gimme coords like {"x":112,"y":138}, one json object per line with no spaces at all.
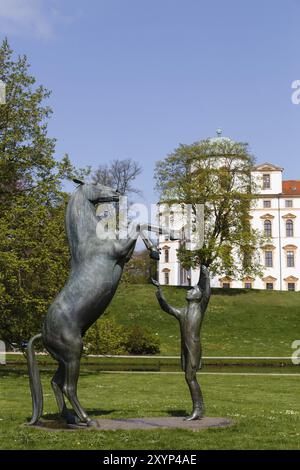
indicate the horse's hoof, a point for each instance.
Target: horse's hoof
{"x":154,"y":255}
{"x":92,"y":424}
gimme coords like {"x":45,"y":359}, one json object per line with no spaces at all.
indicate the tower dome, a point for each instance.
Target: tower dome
{"x":219,"y":138}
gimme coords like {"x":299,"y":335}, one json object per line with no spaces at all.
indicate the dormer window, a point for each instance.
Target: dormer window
{"x":266,"y":181}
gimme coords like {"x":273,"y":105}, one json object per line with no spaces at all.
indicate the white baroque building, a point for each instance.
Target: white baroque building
{"x":276,"y":213}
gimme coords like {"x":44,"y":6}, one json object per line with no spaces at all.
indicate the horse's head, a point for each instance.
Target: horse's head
{"x":97,"y":193}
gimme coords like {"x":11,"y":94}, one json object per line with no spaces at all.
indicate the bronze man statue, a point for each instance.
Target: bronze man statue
{"x":190,"y":319}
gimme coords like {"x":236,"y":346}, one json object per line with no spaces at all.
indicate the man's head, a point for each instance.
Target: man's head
{"x":194,"y":294}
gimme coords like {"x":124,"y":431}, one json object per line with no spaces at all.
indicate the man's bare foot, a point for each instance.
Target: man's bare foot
{"x":197,"y":414}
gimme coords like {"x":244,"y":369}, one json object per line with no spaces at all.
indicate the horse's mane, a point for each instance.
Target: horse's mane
{"x":80,"y":221}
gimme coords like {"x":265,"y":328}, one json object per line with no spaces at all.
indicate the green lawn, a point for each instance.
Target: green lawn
{"x":238,"y":322}
{"x":265,"y":410}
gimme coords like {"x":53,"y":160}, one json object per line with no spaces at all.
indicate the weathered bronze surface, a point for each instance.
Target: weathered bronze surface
{"x":190,"y":319}
{"x":96,"y":268}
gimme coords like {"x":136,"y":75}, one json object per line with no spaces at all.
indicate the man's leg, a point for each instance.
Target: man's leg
{"x":192,"y":360}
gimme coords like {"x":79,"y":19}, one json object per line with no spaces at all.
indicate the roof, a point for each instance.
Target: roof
{"x":291,"y":187}
{"x":267,"y":167}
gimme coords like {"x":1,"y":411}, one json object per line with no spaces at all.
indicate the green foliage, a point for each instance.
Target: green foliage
{"x":217,"y":174}
{"x":107,"y":336}
{"x":34,"y":255}
{"x":139,"y":269}
{"x":142,"y":341}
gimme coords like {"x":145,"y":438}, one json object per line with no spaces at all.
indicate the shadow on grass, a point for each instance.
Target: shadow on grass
{"x":90,"y":412}
{"x":56,"y":422}
{"x":177,"y":413}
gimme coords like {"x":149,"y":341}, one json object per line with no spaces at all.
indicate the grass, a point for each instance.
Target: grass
{"x":265,"y":408}
{"x":265,"y":411}
{"x":238,"y":322}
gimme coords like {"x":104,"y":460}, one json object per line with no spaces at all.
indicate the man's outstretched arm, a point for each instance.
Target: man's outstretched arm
{"x":204,"y":284}
{"x":163,"y":303}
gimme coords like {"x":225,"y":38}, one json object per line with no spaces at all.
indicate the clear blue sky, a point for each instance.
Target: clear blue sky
{"x":133,"y":78}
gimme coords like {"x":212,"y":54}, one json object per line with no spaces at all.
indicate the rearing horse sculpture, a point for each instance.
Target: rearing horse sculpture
{"x":96,"y":268}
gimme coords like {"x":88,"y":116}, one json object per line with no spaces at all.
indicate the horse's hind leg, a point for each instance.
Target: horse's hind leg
{"x":70,"y":390}
{"x":73,"y":352}
{"x":57,"y":383}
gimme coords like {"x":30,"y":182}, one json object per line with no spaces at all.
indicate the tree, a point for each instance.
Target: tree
{"x":139,"y":269}
{"x":120,"y":175}
{"x":34,"y":255}
{"x":216,"y":173}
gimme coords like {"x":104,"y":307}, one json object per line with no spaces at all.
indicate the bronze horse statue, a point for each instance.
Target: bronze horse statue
{"x":96,"y":268}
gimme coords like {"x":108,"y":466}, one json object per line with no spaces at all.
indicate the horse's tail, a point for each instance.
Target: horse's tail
{"x":35,"y":381}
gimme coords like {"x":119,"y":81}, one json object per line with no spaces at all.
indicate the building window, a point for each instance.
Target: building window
{"x":226,"y":285}
{"x":291,"y":286}
{"x":248,"y":285}
{"x":266,"y":181}
{"x":171,"y":218}
{"x":288,"y":203}
{"x":268,"y":228}
{"x":183,"y":276}
{"x":268,"y":259}
{"x":269,"y":286}
{"x":289,"y":225}
{"x":267,"y":204}
{"x":165,"y":223}
{"x":290,"y":259}
{"x":166,"y":255}
{"x":167,"y":279}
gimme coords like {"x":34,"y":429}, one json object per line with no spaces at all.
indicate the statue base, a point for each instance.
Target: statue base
{"x":140,"y":423}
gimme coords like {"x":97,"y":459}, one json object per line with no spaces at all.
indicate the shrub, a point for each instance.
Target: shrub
{"x":142,"y":341}
{"x":106,"y":336}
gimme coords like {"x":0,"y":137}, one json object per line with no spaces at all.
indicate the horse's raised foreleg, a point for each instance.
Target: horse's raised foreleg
{"x":154,"y":252}
{"x":154,"y":228}
{"x":144,"y":228}
{"x":173,"y":234}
